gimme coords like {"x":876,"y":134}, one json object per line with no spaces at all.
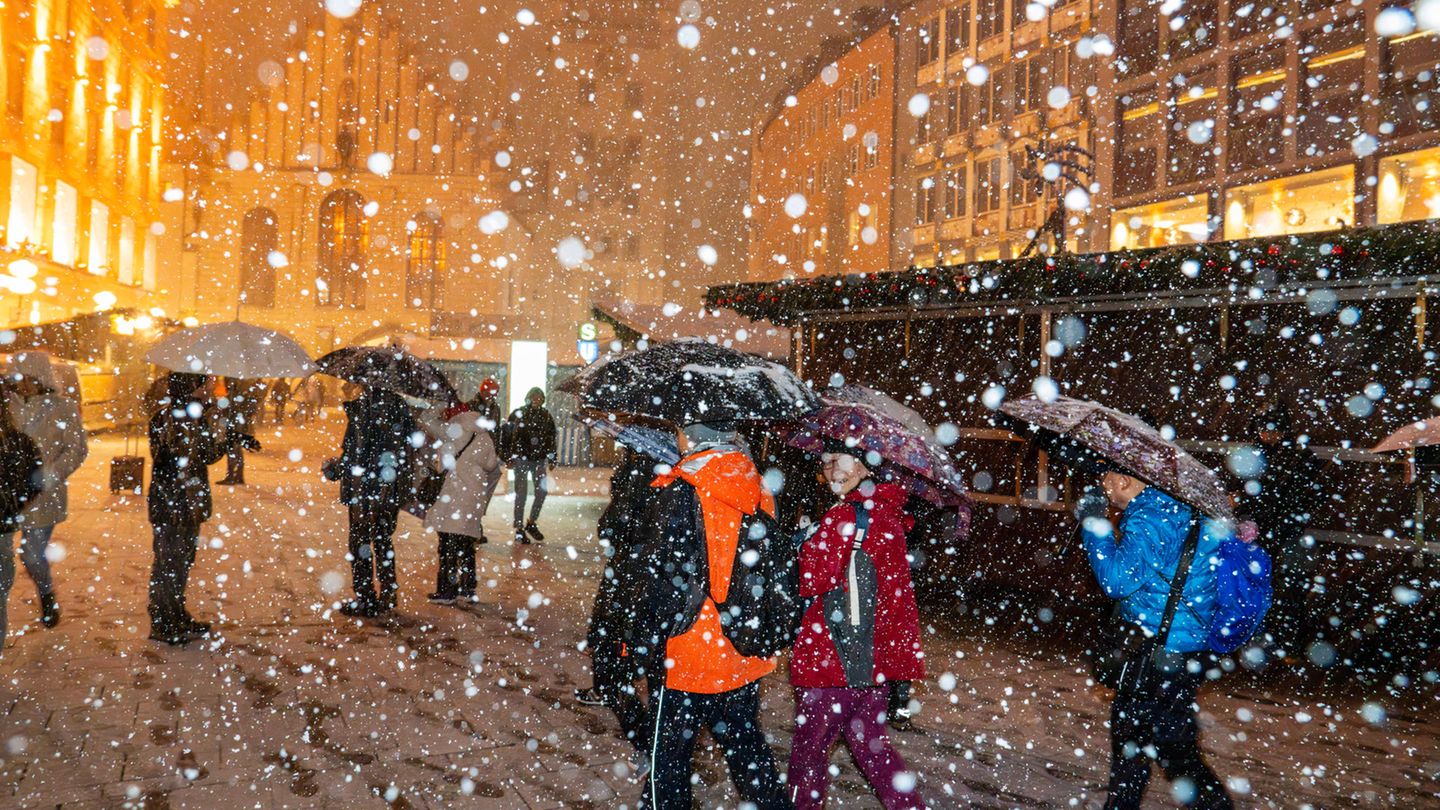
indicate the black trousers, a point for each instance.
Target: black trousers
{"x":235,"y":463}
{"x":174,"y":547}
{"x":455,"y":576}
{"x":676,"y":720}
{"x":372,"y":551}
{"x":1159,"y":711}
{"x":615,"y":681}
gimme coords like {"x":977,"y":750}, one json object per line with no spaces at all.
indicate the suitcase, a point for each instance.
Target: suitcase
{"x":127,"y":474}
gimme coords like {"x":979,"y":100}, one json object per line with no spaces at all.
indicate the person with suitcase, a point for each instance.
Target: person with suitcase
{"x":187,"y":435}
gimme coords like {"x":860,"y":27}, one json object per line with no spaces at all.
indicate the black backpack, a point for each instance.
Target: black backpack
{"x":21,"y":471}
{"x":761,"y":613}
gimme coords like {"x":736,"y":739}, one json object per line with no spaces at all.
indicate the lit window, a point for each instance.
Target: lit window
{"x":62,"y":232}
{"x":21,"y":226}
{"x":1173,"y":222}
{"x":1409,"y":187}
{"x":422,"y":262}
{"x":259,"y":239}
{"x":126,"y":273}
{"x":1318,"y":201}
{"x":99,"y":238}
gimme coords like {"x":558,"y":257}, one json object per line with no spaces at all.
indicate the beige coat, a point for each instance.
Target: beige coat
{"x":465,"y":451}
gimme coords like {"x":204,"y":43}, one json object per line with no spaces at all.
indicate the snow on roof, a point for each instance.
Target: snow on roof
{"x":673,"y":321}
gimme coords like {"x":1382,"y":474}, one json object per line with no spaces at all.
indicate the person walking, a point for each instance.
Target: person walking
{"x":465,"y":454}
{"x":21,"y":473}
{"x":187,"y":435}
{"x":52,"y":420}
{"x":860,"y":634}
{"x":531,"y":449}
{"x":486,"y":402}
{"x":280,"y":397}
{"x":1152,"y":716}
{"x":621,"y":525}
{"x":242,"y":409}
{"x":374,"y":471}
{"x":701,"y":681}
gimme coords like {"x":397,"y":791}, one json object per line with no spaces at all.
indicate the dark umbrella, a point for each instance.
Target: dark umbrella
{"x":391,"y":368}
{"x":658,"y":444}
{"x":869,"y":420}
{"x":1080,"y":430}
{"x":689,"y":380}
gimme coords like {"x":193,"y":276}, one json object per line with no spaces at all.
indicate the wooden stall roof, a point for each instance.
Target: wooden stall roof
{"x":1352,"y":255}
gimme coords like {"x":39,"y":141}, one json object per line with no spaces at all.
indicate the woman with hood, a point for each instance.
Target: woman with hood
{"x":861,"y":632}
{"x":465,"y":454}
{"x":374,"y":471}
{"x":52,"y":420}
{"x":187,"y":435}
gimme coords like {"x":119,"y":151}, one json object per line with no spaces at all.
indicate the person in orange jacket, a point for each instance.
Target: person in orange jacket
{"x":704,"y":682}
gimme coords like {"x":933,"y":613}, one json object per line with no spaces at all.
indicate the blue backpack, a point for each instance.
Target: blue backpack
{"x":1242,"y":594}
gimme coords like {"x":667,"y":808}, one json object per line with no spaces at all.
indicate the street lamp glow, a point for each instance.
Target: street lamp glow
{"x":105,"y":299}
{"x":24,"y":268}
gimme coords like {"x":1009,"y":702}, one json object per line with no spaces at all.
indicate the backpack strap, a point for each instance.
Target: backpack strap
{"x":1177,"y":580}
{"x":862,"y":525}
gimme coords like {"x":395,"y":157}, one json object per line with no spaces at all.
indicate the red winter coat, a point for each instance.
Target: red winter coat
{"x":824,"y":559}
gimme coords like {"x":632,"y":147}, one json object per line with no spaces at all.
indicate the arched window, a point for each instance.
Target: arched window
{"x":343,"y":241}
{"x":260,"y":236}
{"x":424,"y":260}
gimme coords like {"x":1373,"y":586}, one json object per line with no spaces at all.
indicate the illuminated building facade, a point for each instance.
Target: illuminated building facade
{"x":821,"y":167}
{"x":349,"y":201}
{"x":82,"y":141}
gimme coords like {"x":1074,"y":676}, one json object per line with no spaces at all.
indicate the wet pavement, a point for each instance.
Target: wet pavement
{"x":294,"y":705}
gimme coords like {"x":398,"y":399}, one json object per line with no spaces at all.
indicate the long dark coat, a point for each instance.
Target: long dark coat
{"x":622,"y":525}
{"x":182,"y":446}
{"x":377,"y":457}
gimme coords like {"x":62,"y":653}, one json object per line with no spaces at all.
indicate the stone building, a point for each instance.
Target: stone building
{"x":349,"y":200}
{"x":82,"y":140}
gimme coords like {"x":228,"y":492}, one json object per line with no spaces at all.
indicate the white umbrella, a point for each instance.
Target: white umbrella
{"x":232,"y":349}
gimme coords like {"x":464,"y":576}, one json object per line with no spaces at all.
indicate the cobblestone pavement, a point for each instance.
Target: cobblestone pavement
{"x":294,"y":705}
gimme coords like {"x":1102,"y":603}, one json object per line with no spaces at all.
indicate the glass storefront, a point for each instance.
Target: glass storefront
{"x":1181,"y":221}
{"x":1317,"y":201}
{"x":1409,"y":187}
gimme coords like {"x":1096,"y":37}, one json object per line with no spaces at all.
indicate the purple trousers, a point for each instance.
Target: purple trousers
{"x":821,"y":716}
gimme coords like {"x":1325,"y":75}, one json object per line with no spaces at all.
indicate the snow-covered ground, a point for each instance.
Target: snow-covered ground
{"x":294,"y":705}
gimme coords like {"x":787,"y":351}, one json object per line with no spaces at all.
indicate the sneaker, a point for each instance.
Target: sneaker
{"x":534,"y":531}
{"x":482,"y":541}
{"x":169,"y":635}
{"x":590,"y":697}
{"x":521,"y":537}
{"x":49,"y":610}
{"x":197,"y":629}
{"x":467,"y":599}
{"x":357,"y":608}
{"x":441,"y":598}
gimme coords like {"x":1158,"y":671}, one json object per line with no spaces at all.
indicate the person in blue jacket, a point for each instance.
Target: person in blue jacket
{"x":1154,"y":716}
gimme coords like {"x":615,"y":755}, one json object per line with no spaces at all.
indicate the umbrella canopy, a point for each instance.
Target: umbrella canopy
{"x":869,"y":420}
{"x":232,"y":349}
{"x":1127,"y":443}
{"x":644,"y":439}
{"x":391,"y":368}
{"x":1416,"y":434}
{"x":687,"y":381}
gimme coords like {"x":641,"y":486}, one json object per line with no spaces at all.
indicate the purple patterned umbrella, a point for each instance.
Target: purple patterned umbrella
{"x":1126,"y":442}
{"x":867,"y":419}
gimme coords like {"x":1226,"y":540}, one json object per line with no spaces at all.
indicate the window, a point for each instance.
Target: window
{"x":927,"y":42}
{"x":1257,"y":122}
{"x":148,"y":266}
{"x":989,"y":19}
{"x":954,"y":110}
{"x":1173,"y":222}
{"x":925,"y":201}
{"x":259,"y":237}
{"x":1139,"y":45}
{"x":1022,"y":191}
{"x":957,"y":28}
{"x":873,"y":90}
{"x":1192,"y":149}
{"x":422,"y":262}
{"x":872,"y":153}
{"x":62,"y":231}
{"x":925,"y":129}
{"x":1409,"y":187}
{"x":999,"y":85}
{"x":852,"y":160}
{"x":24,"y":181}
{"x":99,"y":237}
{"x":1029,"y":85}
{"x":855,"y":90}
{"x":955,"y":192}
{"x":344,"y":238}
{"x":1017,"y":13}
{"x":1191,"y":29}
{"x":976,"y":100}
{"x":126,"y":273}
{"x":1317,"y":201}
{"x":1138,"y":169}
{"x":1409,"y":83}
{"x":1332,"y":82}
{"x":987,"y":185}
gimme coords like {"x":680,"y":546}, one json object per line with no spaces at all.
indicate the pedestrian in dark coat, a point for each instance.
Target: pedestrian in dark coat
{"x":622,"y":525}
{"x":280,"y":396}
{"x":241,"y":412}
{"x":187,"y":434}
{"x":861,"y":632}
{"x":376,"y":480}
{"x":531,"y":447}
{"x":1287,"y":493}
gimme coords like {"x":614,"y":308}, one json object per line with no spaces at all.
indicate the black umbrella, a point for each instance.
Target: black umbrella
{"x":686,"y":381}
{"x":391,"y":368}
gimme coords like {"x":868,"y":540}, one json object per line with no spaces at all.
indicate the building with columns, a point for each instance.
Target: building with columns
{"x":82,"y":142}
{"x":350,"y":200}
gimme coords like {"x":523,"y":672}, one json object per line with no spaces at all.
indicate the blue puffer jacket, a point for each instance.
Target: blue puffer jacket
{"x":1137,"y":569}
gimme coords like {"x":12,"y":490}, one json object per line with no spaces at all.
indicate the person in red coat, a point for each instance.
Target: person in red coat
{"x":861,"y":632}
